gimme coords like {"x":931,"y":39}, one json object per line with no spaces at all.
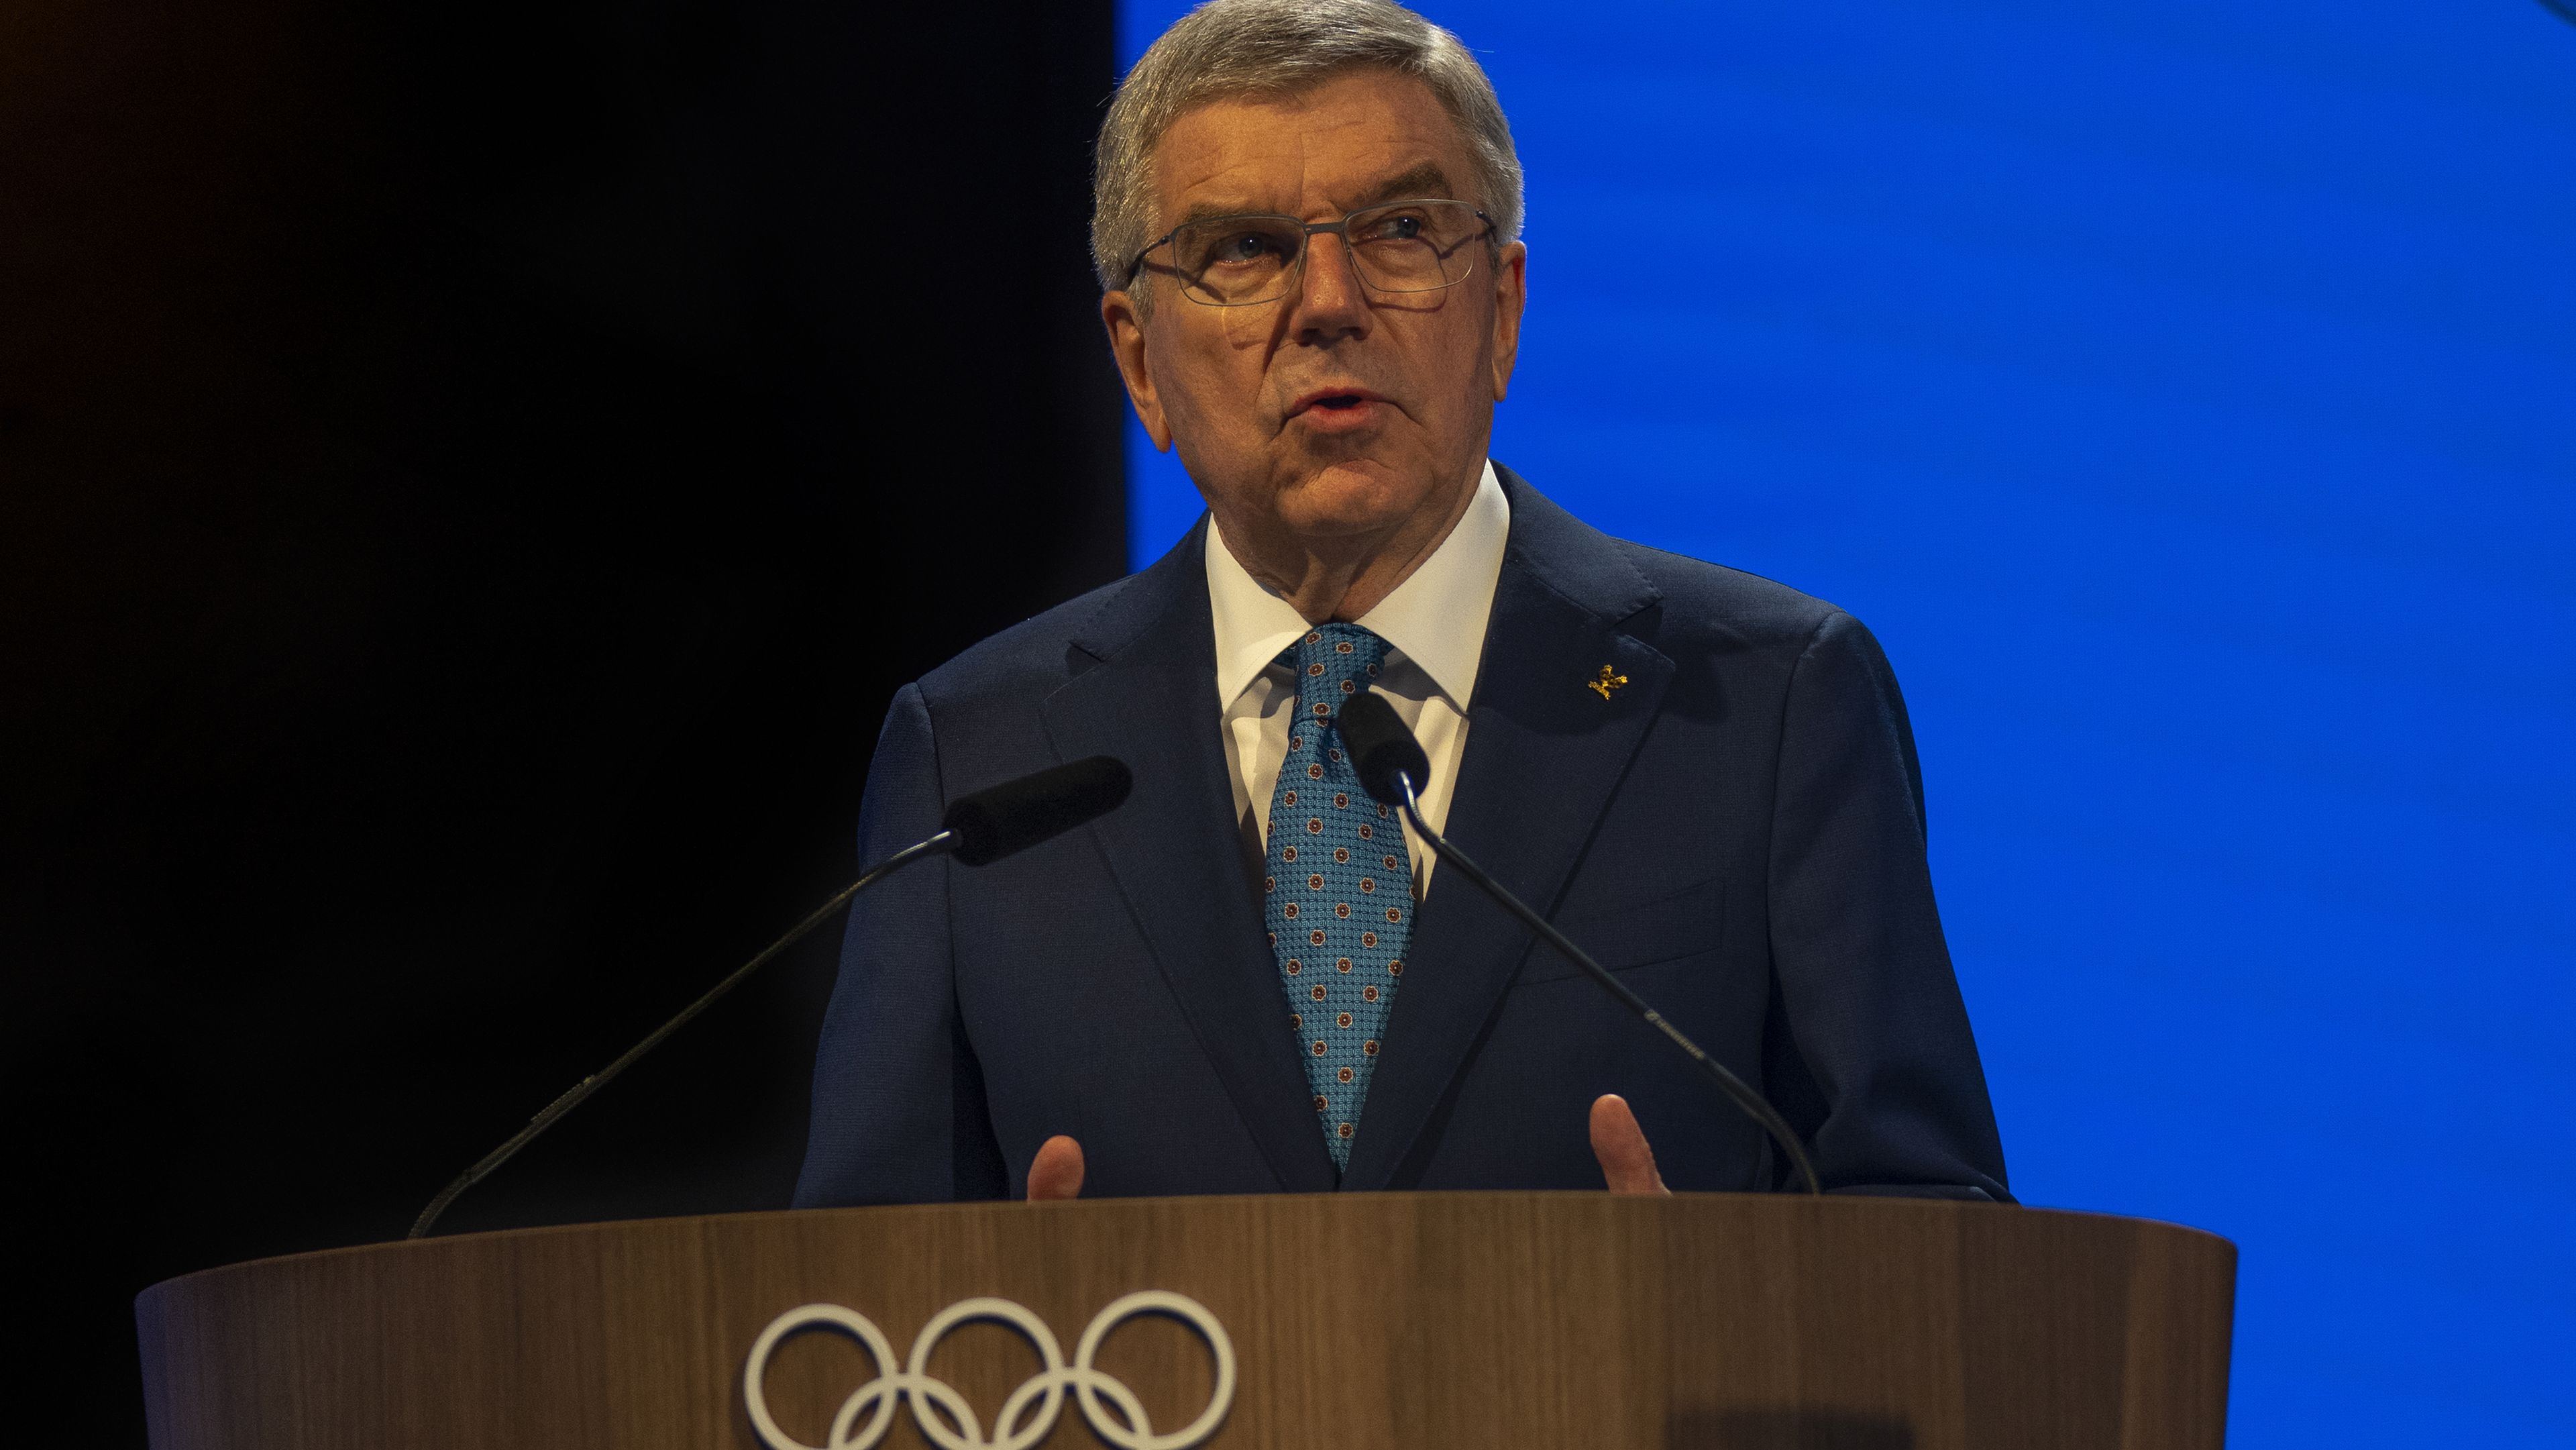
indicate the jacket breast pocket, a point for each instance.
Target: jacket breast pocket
{"x":1658,"y":929}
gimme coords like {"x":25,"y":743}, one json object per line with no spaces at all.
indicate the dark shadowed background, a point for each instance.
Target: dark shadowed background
{"x":471,"y":477}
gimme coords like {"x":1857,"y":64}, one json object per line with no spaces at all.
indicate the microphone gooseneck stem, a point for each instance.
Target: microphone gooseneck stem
{"x":938,"y":845}
{"x":1735,"y":1088}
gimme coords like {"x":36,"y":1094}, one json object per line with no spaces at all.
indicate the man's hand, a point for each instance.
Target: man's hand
{"x":1627,"y":1164}
{"x":1057,"y":1170}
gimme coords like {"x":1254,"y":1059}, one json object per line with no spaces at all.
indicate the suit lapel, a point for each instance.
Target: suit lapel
{"x":1175,"y":849}
{"x":1544,"y":754}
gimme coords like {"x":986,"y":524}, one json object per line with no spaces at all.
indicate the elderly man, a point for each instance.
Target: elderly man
{"x":1242,"y":981}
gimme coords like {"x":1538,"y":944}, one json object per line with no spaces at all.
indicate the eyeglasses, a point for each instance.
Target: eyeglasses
{"x":1420,"y":245}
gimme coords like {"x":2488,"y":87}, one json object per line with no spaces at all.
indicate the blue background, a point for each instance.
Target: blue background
{"x":2186,"y":395}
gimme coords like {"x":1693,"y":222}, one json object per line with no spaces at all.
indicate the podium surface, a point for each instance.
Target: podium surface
{"x":1494,"y":1320}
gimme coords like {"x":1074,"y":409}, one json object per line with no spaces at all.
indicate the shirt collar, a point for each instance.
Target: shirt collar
{"x":1436,"y":618}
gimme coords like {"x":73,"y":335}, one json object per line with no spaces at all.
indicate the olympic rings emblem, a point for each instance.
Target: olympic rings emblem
{"x":1028,"y":1416}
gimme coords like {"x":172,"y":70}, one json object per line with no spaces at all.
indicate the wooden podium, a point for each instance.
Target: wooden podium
{"x":1487,"y":1320}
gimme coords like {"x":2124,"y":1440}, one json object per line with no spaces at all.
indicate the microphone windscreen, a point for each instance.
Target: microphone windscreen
{"x":1017,"y":814}
{"x":1381,"y":747}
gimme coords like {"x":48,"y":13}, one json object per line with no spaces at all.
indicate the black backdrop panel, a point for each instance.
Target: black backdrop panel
{"x":471,"y":477}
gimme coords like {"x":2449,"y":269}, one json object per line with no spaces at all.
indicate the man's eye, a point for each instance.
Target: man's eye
{"x":1244,"y":247}
{"x":1394,"y":229}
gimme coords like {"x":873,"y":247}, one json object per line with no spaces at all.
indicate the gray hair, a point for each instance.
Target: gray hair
{"x":1229,"y":48}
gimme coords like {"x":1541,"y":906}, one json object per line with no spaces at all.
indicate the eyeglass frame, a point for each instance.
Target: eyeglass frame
{"x":1340,"y":229}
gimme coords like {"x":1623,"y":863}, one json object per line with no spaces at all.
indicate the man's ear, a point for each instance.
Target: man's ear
{"x":1127,"y":345}
{"x":1511,"y":292}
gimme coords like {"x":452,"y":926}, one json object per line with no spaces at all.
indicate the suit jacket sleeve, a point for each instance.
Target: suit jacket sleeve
{"x":899,"y":1114}
{"x":1869,"y":1052}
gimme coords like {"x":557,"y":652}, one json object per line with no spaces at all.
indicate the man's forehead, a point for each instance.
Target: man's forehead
{"x":1343,"y":143}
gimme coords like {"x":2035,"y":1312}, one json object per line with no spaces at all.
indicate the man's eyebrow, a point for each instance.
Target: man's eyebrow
{"x":1201,"y":211}
{"x":1426,"y":179}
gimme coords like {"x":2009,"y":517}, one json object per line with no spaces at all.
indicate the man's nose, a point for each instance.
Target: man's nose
{"x":1330,"y":301}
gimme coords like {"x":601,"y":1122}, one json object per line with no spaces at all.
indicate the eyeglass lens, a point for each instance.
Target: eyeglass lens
{"x":1409,"y":246}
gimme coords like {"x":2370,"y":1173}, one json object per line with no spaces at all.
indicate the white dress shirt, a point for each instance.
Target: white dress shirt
{"x":1434,"y":623}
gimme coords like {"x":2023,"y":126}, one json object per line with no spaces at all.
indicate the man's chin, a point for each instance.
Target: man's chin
{"x":1354,"y":496}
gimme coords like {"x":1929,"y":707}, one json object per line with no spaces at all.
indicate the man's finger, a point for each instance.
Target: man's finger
{"x":1057,"y":1170}
{"x":1627,"y":1164}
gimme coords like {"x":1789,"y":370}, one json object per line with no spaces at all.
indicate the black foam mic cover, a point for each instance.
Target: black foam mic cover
{"x":1381,"y":748}
{"x":1017,"y":814}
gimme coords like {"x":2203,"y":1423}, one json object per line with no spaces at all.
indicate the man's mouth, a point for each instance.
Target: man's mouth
{"x":1331,"y":408}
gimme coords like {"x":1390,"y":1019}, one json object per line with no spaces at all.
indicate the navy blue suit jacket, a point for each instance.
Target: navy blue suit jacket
{"x":1738,"y":832}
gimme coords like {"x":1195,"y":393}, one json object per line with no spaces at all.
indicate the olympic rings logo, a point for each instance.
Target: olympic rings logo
{"x":1028,"y":1416}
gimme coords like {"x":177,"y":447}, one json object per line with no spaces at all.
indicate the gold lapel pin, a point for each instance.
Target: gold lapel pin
{"x":1605,"y":682}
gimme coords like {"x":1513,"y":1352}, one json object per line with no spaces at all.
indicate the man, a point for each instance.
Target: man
{"x":1243,"y":981}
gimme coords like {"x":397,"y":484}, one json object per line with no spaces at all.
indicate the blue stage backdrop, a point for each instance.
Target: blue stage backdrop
{"x":2186,"y":394}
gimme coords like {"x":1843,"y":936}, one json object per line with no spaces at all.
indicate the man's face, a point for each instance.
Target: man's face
{"x":1335,"y":411}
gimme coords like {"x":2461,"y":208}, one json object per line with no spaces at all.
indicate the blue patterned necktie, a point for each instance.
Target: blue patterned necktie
{"x":1338,"y":892}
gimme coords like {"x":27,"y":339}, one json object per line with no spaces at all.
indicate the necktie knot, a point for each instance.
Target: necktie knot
{"x":1333,"y":662}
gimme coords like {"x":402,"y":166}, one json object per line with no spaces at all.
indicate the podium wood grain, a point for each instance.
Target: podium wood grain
{"x":1701,"y":1322}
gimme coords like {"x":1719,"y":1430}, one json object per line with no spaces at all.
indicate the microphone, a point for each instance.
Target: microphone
{"x":977,"y":829}
{"x":1017,"y":814}
{"x":1389,"y":762}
